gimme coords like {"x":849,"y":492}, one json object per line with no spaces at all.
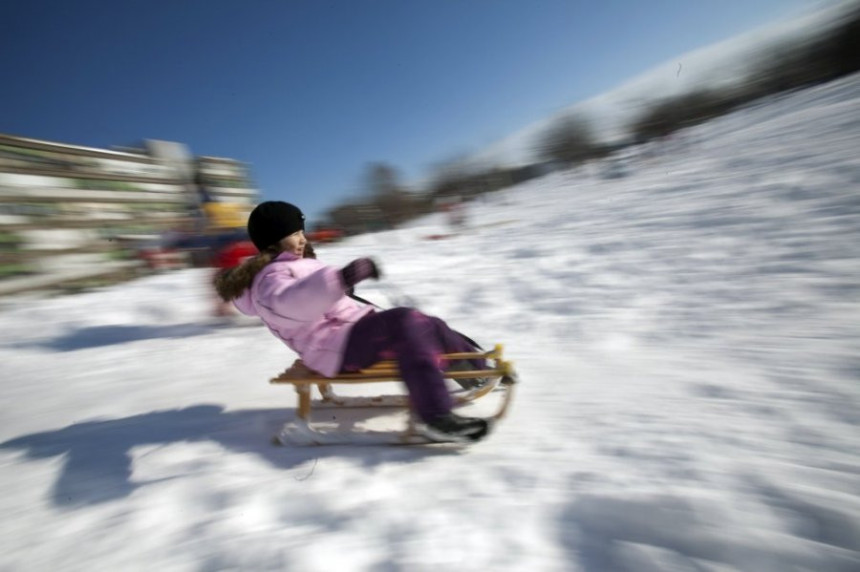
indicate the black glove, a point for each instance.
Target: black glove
{"x":358,"y":270}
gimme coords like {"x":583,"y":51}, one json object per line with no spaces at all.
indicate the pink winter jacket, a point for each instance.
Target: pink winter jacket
{"x":302,"y":302}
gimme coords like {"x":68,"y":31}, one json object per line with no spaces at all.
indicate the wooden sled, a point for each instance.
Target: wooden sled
{"x":499,"y":375}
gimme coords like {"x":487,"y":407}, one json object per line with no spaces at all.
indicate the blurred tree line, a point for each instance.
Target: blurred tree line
{"x":571,"y":140}
{"x":785,"y":66}
{"x":387,"y":202}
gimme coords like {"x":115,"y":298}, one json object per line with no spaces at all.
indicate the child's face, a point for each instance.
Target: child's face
{"x":295,"y":243}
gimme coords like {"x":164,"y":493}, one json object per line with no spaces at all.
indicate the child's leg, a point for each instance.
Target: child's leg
{"x":452,"y":342}
{"x":411,"y":337}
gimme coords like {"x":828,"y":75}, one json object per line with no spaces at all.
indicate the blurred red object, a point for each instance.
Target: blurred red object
{"x":234,"y":254}
{"x":164,"y":258}
{"x":324,"y":235}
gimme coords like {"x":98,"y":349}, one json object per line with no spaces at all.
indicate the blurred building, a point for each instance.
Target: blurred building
{"x":73,"y":215}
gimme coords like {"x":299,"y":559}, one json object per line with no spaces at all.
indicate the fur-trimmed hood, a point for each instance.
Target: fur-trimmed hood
{"x":232,"y":283}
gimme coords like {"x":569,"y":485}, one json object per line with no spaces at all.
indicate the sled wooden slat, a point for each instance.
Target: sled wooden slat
{"x":387,"y":370}
{"x":369,"y":376}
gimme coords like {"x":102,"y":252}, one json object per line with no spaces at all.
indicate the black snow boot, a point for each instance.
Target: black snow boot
{"x":456,"y":428}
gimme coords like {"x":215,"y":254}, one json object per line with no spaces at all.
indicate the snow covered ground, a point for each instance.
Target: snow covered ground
{"x":688,"y":339}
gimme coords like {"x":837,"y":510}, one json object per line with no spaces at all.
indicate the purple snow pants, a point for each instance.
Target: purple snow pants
{"x":415,"y":341}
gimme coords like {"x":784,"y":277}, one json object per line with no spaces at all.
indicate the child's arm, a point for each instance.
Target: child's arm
{"x":305,"y":299}
{"x":309,"y":298}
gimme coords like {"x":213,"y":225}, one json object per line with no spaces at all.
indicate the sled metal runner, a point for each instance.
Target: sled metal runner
{"x":499,"y":375}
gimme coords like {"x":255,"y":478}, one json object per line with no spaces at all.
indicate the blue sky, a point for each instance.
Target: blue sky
{"x":310,"y":92}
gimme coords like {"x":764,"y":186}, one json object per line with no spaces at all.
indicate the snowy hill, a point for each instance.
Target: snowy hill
{"x":687,"y":336}
{"x":715,"y":66}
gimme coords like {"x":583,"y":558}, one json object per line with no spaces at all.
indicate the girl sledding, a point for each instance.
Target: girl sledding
{"x":305,"y":304}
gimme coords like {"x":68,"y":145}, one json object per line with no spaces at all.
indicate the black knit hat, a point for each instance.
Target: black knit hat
{"x":273,"y":220}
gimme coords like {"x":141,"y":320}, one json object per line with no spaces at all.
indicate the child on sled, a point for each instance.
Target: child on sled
{"x":304,"y":303}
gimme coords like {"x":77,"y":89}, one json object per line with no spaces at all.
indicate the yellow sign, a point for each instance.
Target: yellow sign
{"x":226,"y":215}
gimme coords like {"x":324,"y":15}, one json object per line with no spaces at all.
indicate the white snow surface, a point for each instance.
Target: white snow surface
{"x":688,"y":342}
